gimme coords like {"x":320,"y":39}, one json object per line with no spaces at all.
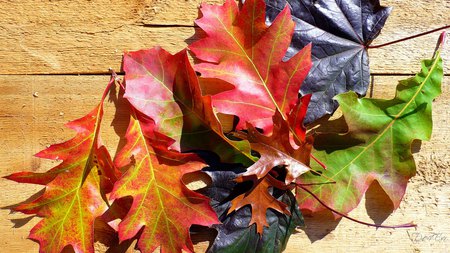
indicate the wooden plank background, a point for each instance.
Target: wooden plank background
{"x":54,"y":59}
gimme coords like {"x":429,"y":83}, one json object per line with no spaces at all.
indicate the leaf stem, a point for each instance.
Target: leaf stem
{"x":407,"y":225}
{"x":318,"y":161}
{"x":408,"y":38}
{"x":116,"y":78}
{"x":318,"y":183}
{"x":109,"y":85}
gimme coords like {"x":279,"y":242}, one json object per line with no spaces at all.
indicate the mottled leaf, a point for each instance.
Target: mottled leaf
{"x":340,"y":32}
{"x":377,"y":145}
{"x":74,"y":189}
{"x":163,"y":208}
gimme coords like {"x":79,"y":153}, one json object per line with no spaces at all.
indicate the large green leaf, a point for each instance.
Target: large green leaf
{"x":377,"y":145}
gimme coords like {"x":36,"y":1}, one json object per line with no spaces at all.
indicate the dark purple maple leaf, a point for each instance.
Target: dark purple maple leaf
{"x":340,"y":32}
{"x":235,"y":234}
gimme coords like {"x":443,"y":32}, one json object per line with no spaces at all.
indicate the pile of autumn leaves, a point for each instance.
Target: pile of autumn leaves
{"x":174,"y":131}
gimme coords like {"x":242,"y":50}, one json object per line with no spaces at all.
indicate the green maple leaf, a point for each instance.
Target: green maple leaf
{"x":377,"y":145}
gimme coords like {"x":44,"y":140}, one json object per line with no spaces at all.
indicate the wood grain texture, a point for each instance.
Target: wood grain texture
{"x":61,"y":37}
{"x":409,"y":18}
{"x":28,"y":123}
{"x":79,"y":36}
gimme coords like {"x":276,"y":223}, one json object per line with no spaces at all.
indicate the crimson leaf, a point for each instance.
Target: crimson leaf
{"x":239,"y":48}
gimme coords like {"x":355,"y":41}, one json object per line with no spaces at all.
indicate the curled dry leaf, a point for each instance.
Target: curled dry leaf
{"x":277,"y":150}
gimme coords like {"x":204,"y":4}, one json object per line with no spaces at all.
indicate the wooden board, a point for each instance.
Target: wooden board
{"x":89,"y":37}
{"x":68,"y":37}
{"x":28,"y":123}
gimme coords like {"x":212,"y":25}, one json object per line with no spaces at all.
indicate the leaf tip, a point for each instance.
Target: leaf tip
{"x":442,"y":40}
{"x":9,"y":177}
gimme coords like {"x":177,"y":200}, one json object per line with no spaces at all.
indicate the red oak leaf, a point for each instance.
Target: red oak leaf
{"x":240,"y":49}
{"x":75,"y":188}
{"x":165,"y":88}
{"x":150,"y":76}
{"x":163,"y":207}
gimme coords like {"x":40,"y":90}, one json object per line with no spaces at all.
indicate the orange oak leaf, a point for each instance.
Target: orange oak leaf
{"x":260,"y":199}
{"x":74,"y":189}
{"x":241,"y":49}
{"x":163,"y":207}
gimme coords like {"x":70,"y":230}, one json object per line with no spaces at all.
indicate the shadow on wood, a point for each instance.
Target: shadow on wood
{"x":203,"y":234}
{"x":378,"y":205}
{"x":107,"y":236}
{"x":319,"y":224}
{"x":23,"y":221}
{"x":121,"y":116}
